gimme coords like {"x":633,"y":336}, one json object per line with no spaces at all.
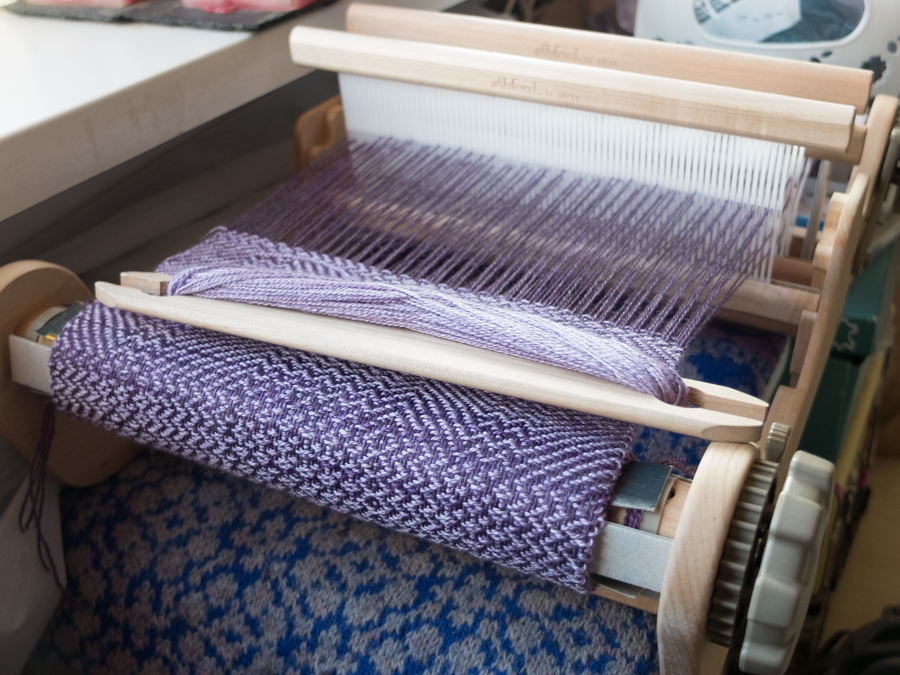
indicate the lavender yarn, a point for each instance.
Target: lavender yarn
{"x":599,"y":276}
{"x":515,"y":482}
{"x":291,"y":278}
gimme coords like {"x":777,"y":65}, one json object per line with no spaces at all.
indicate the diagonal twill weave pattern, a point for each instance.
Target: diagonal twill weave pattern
{"x":174,"y":568}
{"x":515,"y":482}
{"x":536,"y":263}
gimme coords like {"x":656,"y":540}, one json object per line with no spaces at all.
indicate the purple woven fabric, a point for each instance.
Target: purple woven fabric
{"x":518,"y":483}
{"x":596,"y":275}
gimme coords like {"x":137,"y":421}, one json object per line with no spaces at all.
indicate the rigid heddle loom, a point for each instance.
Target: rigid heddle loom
{"x":450,"y":323}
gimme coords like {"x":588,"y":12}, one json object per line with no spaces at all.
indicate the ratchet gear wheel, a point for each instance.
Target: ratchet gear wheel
{"x":741,"y":556}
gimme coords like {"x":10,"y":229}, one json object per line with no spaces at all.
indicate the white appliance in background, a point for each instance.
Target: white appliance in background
{"x":28,"y":592}
{"x":872,"y":43}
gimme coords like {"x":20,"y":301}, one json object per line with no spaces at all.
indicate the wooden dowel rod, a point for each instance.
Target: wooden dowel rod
{"x":792,"y":271}
{"x":852,"y":155}
{"x":767,"y":306}
{"x":834,"y":84}
{"x":691,"y":104}
{"x":700,"y":394}
{"x":426,"y":356}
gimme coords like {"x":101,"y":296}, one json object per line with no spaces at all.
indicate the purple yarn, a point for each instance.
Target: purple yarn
{"x":538,"y":264}
{"x":633,"y":518}
{"x":32,"y":509}
{"x":519,"y":483}
{"x":311,"y":283}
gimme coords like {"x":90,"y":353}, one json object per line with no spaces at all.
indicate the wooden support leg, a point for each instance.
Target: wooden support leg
{"x":694,"y":560}
{"x":81,"y":454}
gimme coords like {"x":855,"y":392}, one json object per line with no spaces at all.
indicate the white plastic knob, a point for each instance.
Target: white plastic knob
{"x":789,"y":564}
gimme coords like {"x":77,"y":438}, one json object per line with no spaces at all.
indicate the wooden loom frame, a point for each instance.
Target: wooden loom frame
{"x":705,"y":514}
{"x":811,"y":313}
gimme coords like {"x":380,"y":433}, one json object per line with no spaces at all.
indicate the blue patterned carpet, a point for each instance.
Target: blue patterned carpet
{"x":176,"y":569}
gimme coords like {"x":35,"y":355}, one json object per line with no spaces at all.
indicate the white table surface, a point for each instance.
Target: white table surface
{"x":78,"y":98}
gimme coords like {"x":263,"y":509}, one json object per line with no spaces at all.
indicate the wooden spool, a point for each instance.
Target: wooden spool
{"x":81,"y":454}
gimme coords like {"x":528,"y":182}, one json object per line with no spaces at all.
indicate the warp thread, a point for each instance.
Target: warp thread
{"x":308,"y":282}
{"x":596,"y":275}
{"x":538,"y":263}
{"x":32,"y":509}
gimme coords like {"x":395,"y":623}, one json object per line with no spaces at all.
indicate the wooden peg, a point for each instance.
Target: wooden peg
{"x":152,"y":283}
{"x":317,"y":130}
{"x":801,"y":345}
{"x":825,"y":246}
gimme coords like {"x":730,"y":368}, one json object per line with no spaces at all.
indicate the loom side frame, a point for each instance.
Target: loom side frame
{"x":812,"y":314}
{"x":690,"y":578}
{"x":88,"y":454}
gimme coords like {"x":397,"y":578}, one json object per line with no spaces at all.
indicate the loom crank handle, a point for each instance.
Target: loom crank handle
{"x":769,"y":563}
{"x":740,"y":572}
{"x":787,"y":571}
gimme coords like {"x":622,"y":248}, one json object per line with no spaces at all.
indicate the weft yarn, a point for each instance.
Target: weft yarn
{"x":32,"y":509}
{"x":600,"y":275}
{"x":515,"y":482}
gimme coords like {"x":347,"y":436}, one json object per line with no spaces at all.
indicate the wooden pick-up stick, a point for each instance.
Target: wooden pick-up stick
{"x":727,"y":415}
